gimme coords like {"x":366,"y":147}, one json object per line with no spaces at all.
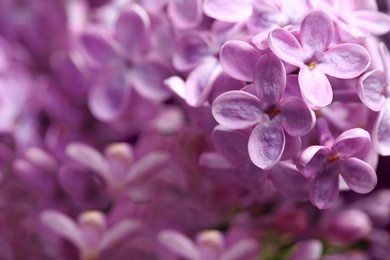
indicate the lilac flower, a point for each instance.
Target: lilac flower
{"x":315,"y":57}
{"x":90,"y":233}
{"x":209,"y":245}
{"x":267,"y":110}
{"x":340,"y":156}
{"x":308,"y":249}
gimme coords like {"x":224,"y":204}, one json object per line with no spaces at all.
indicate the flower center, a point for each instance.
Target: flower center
{"x":312,"y":65}
{"x":333,"y":157}
{"x":275,"y":112}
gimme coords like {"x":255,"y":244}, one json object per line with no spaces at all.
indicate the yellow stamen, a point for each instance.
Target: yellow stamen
{"x":333,"y":157}
{"x":275,"y":112}
{"x":312,"y":65}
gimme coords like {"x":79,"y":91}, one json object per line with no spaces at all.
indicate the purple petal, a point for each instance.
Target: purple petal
{"x":89,"y":157}
{"x":358,"y":175}
{"x":228,"y":11}
{"x":119,"y":231}
{"x":375,"y":22}
{"x":179,"y":244}
{"x":287,"y":47}
{"x":238,"y":59}
{"x":308,"y":250}
{"x":315,"y":88}
{"x":381,"y":132}
{"x":324,"y":189}
{"x":109,"y":96}
{"x":292,"y":147}
{"x":191,"y":49}
{"x":223,"y":83}
{"x":214,"y":160}
{"x":266,"y":144}
{"x":296,"y":117}
{"x":237,"y":110}
{"x":246,"y":248}
{"x":185,"y":14}
{"x":98,"y":46}
{"x":232,"y":144}
{"x":316,"y":31}
{"x":353,"y":143}
{"x":199,"y":82}
{"x":370,"y":89}
{"x":63,"y":226}
{"x":344,"y":61}
{"x":290,"y":182}
{"x":312,"y":159}
{"x":269,"y":79}
{"x":119,"y":156}
{"x":132,"y":28}
{"x":148,"y":79}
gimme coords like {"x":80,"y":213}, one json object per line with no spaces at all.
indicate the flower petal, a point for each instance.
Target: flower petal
{"x":287,"y":47}
{"x":119,"y":231}
{"x":269,"y":79}
{"x":311,"y":160}
{"x":344,"y":61}
{"x":375,"y":22}
{"x":354,"y":142}
{"x":324,"y":189}
{"x":358,"y":175}
{"x":228,"y":11}
{"x":296,"y":117}
{"x":245,"y":248}
{"x":214,"y":160}
{"x":179,"y":244}
{"x":185,"y":14}
{"x":237,"y":110}
{"x":238,"y":59}
{"x":266,"y":144}
{"x":131,"y":29}
{"x":292,"y":147}
{"x":315,"y":88}
{"x":381,"y":132}
{"x":316,"y":32}
{"x":370,"y":89}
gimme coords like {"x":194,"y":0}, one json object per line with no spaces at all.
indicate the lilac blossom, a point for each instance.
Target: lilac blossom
{"x":271,"y":115}
{"x":316,"y":58}
{"x":324,"y":163}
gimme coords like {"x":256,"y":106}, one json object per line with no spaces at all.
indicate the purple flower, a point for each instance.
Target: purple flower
{"x":90,"y":234}
{"x":267,"y":110}
{"x":324,"y":163}
{"x":315,"y":57}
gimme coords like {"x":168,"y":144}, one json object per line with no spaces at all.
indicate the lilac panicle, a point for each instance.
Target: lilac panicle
{"x":315,"y":57}
{"x":271,"y":115}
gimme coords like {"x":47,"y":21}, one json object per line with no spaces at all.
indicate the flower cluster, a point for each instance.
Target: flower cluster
{"x":194,"y":129}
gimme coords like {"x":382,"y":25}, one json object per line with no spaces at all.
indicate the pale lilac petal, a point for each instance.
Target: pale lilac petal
{"x":266,"y":144}
{"x":315,"y":88}
{"x":385,"y":55}
{"x":230,"y":143}
{"x":148,"y":79}
{"x":199,"y":82}
{"x":131,"y":29}
{"x":210,"y":243}
{"x":98,"y":46}
{"x":308,"y":250}
{"x":370,"y":88}
{"x":185,"y":14}
{"x":214,"y":160}
{"x":312,"y":159}
{"x":109,"y":95}
{"x":292,"y":147}
{"x":297,"y":118}
{"x":344,"y":61}
{"x":223,"y":83}
{"x":190,"y":50}
{"x":238,"y":59}
{"x":316,"y":32}
{"x":63,"y":226}
{"x":358,"y":175}
{"x":269,"y":79}
{"x":245,"y":248}
{"x":228,"y":10}
{"x":119,"y":231}
{"x":237,"y":110}
{"x":88,"y":157}
{"x":287,"y":47}
{"x":177,"y":85}
{"x":354,"y":142}
{"x":179,"y":244}
{"x":324,"y":189}
{"x":290,"y":182}
{"x":119,"y":156}
{"x":375,"y":22}
{"x":381,"y":131}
